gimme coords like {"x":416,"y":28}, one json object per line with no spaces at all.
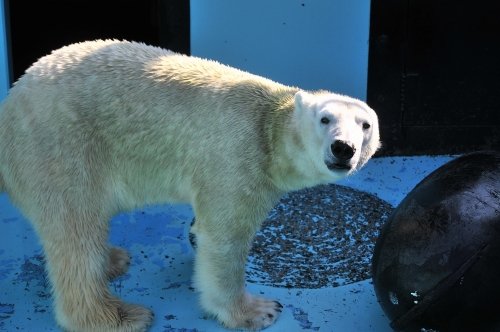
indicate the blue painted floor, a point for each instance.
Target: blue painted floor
{"x":160,"y":274}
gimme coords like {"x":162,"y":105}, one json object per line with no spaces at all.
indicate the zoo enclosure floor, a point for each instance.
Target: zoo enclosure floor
{"x":313,"y":255}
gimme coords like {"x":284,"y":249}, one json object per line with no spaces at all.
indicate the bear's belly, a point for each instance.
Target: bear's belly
{"x":141,"y":188}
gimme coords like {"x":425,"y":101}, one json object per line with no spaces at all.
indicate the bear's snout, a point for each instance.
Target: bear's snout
{"x":342,"y":151}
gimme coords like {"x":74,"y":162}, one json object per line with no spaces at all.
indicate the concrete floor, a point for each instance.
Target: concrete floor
{"x":318,"y":296}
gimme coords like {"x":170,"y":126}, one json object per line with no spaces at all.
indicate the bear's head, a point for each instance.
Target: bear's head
{"x":339,"y":133}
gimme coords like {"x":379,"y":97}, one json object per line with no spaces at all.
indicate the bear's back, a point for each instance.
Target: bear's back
{"x":121,"y":61}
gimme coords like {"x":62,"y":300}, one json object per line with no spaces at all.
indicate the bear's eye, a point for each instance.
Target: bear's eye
{"x":366,"y":125}
{"x":325,"y":120}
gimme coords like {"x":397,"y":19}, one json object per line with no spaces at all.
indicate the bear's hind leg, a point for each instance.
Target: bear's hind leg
{"x":78,"y":260}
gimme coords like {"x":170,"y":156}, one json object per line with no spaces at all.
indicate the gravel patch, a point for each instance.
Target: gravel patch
{"x":318,"y":237}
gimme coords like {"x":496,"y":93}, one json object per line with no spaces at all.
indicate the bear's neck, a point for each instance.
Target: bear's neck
{"x":286,"y":147}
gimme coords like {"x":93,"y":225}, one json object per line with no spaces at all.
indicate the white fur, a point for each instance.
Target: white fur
{"x":100,"y":127}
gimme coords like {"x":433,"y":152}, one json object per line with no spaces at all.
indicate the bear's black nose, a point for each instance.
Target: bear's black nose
{"x":342,"y":151}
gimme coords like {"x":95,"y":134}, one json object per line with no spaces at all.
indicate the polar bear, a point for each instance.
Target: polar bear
{"x":105,"y":126}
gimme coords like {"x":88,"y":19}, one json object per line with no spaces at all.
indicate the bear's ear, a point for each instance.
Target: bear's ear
{"x":302,"y":100}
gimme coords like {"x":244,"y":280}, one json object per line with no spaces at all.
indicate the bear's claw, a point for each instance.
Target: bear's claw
{"x":254,"y":314}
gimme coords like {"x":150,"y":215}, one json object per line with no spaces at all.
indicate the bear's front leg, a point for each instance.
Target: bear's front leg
{"x":221,"y":254}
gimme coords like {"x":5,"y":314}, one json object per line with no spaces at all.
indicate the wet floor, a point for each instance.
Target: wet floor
{"x":313,"y":255}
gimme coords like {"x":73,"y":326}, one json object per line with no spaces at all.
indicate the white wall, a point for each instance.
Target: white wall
{"x":313,"y":44}
{"x":4,"y":69}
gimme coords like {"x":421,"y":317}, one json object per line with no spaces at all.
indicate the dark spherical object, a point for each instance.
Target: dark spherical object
{"x":436,"y":264}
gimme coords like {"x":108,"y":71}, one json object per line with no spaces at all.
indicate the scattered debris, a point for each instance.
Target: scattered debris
{"x":318,"y":237}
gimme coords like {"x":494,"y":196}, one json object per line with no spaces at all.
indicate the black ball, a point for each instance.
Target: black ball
{"x":436,"y":263}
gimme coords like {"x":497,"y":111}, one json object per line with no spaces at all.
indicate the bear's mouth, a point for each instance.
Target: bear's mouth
{"x":336,"y":166}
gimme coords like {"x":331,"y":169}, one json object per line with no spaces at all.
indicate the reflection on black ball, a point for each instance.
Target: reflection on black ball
{"x":436,"y":264}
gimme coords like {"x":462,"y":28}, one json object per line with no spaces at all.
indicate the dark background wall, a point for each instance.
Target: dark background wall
{"x":434,"y":73}
{"x":38,"y":27}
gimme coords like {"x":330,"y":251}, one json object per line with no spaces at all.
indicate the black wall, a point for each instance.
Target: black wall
{"x":37,"y":27}
{"x":434,"y":70}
